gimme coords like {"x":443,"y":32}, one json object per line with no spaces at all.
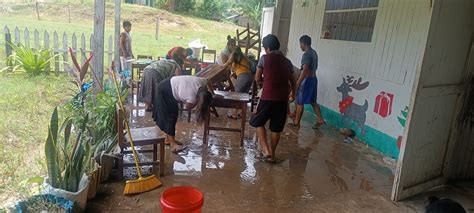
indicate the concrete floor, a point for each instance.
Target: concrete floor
{"x":316,"y":172}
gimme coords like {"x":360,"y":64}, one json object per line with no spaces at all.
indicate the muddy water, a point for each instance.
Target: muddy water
{"x":316,"y":171}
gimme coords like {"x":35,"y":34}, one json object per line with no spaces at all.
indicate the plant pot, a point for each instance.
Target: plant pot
{"x":80,"y":196}
{"x":107,"y":162}
{"x":46,"y":203}
{"x":94,"y":182}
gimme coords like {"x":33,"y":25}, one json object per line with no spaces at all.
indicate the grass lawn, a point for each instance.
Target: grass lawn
{"x":26,"y":103}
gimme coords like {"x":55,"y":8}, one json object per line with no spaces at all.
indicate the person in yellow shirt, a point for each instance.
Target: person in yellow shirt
{"x":241,"y":71}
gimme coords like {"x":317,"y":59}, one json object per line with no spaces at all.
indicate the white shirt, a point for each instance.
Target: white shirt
{"x":185,"y":87}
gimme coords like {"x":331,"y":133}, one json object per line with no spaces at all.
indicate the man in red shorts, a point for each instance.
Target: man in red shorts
{"x":276,"y":71}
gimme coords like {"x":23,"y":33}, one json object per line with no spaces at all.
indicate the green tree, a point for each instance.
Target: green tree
{"x":185,"y":5}
{"x":253,"y":10}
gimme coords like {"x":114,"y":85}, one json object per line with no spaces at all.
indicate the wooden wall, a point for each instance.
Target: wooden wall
{"x":388,"y":62}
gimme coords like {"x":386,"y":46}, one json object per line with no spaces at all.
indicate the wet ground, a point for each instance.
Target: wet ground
{"x":316,"y":172}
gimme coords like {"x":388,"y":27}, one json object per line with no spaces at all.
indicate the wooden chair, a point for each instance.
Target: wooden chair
{"x":142,"y":137}
{"x":210,"y":52}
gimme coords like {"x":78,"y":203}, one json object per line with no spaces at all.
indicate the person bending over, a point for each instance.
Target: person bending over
{"x":194,"y":92}
{"x":153,"y":74}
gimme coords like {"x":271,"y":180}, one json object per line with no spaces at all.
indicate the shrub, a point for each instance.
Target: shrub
{"x":185,"y":5}
{"x":33,"y":62}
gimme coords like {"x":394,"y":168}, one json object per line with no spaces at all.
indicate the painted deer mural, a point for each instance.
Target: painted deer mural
{"x":349,"y":110}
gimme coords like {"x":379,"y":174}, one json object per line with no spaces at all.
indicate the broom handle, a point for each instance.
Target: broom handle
{"x":135,"y":154}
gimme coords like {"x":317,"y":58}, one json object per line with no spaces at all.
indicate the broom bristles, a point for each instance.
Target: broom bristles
{"x":141,"y":185}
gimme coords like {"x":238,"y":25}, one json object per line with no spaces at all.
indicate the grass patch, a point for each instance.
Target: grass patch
{"x":26,"y":104}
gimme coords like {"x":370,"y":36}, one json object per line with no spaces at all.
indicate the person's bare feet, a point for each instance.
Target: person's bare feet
{"x":177,"y":148}
{"x":177,"y":142}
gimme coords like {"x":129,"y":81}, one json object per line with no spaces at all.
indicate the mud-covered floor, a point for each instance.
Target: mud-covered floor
{"x":316,"y":172}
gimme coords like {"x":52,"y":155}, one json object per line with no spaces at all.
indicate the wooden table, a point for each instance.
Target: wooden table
{"x":230,"y":100}
{"x":139,"y":65}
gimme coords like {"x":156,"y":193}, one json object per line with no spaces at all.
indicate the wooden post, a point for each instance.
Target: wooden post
{"x":83,"y":48}
{"x":36,"y":39}
{"x":8,"y":40}
{"x":26,"y":35}
{"x":65,"y":50}
{"x":17,"y":36}
{"x":74,"y":44}
{"x":117,"y":36}
{"x":157,"y":27}
{"x":37,"y":11}
{"x":56,"y":52}
{"x":99,"y":24}
{"x":46,"y":47}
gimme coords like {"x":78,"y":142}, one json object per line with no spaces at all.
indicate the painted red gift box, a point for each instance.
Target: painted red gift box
{"x":383,"y":104}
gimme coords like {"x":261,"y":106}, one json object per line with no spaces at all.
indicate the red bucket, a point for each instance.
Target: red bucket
{"x":182,"y":199}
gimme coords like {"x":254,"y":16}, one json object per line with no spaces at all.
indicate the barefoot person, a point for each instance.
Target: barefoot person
{"x":153,"y":74}
{"x":307,"y":84}
{"x":125,"y":45}
{"x":193,"y":91}
{"x":275,"y":70}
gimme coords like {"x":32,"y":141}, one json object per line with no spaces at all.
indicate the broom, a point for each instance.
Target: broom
{"x":142,"y":184}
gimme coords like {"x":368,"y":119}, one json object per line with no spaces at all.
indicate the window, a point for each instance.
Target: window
{"x":349,"y":20}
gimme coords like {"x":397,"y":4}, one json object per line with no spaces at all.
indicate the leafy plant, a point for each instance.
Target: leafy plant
{"x":66,"y":162}
{"x":185,"y":5}
{"x":49,"y":203}
{"x":33,"y":62}
{"x":253,"y":10}
{"x":210,"y":9}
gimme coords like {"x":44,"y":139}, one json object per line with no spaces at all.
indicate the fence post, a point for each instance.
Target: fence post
{"x":56,"y":52}
{"x":27,"y":38}
{"x":74,"y":44}
{"x":17,"y":36}
{"x":157,"y":32}
{"x":37,"y":11}
{"x":46,"y":47}
{"x":99,"y":25}
{"x":8,"y":40}
{"x":65,"y":49}
{"x":83,"y":48}
{"x":36,"y":40}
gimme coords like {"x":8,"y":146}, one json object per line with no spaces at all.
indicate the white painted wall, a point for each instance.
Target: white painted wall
{"x":388,"y":62}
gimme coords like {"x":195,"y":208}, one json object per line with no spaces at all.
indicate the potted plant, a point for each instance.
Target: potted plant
{"x":67,"y":162}
{"x":46,"y":203}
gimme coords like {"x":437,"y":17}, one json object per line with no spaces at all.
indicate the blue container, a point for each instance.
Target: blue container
{"x":67,"y":205}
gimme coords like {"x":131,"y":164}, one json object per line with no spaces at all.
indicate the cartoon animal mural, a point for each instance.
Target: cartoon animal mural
{"x":402,"y":121}
{"x":349,"y":110}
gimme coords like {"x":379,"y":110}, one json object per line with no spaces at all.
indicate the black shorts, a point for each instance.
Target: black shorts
{"x":275,"y":111}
